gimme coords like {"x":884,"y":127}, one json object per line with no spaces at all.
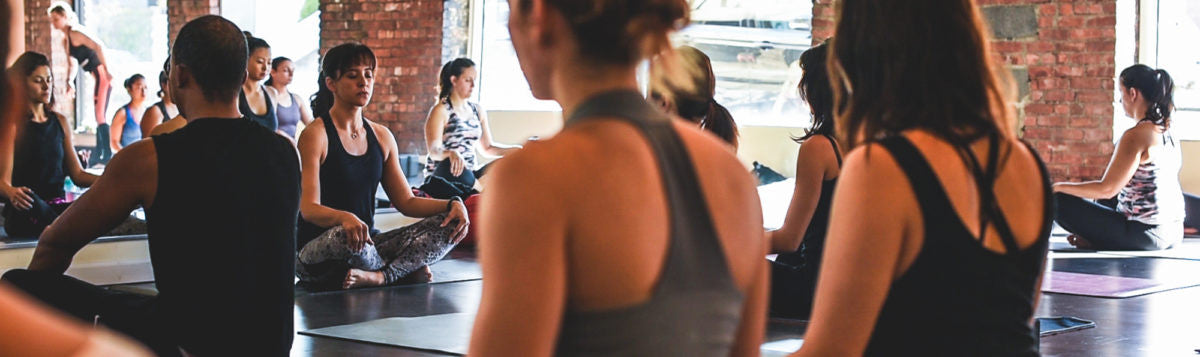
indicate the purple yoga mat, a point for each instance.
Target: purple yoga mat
{"x":1106,"y":286}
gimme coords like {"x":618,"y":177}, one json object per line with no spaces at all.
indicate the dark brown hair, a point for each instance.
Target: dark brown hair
{"x":1158,"y":88}
{"x":334,"y":64}
{"x":815,"y":89}
{"x":620,"y":32}
{"x":933,"y":71}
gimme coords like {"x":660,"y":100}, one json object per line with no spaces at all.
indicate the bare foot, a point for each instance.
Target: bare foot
{"x":360,"y":278}
{"x":1190,"y":231}
{"x":1079,"y":242}
{"x":419,"y":276}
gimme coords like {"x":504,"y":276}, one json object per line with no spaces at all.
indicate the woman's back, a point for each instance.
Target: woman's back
{"x":1153,"y":195}
{"x":975,"y":297}
{"x":603,"y":238}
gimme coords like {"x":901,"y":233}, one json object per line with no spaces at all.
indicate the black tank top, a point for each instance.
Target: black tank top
{"x":807,"y":258}
{"x":267,"y":120}
{"x":348,"y":182}
{"x":221,"y":234}
{"x":959,"y":298}
{"x":38,"y":163}
{"x":87,"y":57}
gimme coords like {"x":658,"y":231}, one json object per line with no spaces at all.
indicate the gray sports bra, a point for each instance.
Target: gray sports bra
{"x":695,"y":309}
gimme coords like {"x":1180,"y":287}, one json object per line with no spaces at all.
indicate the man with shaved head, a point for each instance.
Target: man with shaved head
{"x":221,"y":197}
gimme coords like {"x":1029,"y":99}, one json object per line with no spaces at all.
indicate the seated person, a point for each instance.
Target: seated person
{"x":1148,"y":211}
{"x":456,"y":128}
{"x":221,"y":196}
{"x":661,"y":254}
{"x":344,"y":158}
{"x":162,"y":111}
{"x":126,"y":122}
{"x":698,"y":103}
{"x":254,"y":102}
{"x":801,"y":240}
{"x":44,"y":155}
{"x":940,"y":223}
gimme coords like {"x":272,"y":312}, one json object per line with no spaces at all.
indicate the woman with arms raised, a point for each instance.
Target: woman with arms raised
{"x":941,"y":217}
{"x":669,"y":266}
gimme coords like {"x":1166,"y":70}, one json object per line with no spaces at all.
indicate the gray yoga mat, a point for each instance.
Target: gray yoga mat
{"x":1109,"y":286}
{"x":447,"y":333}
{"x":455,"y":270}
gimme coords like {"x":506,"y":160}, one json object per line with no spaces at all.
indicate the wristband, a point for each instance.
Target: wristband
{"x":450,"y":204}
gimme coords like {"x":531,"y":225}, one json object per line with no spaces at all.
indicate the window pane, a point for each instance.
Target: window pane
{"x":134,"y":36}
{"x":291,"y":27}
{"x":502,"y":85}
{"x":1178,"y":29}
{"x":755,"y":46}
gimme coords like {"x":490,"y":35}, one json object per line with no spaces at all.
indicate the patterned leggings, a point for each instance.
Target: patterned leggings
{"x":396,"y":253}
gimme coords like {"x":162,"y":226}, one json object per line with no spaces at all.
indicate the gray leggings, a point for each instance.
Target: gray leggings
{"x":396,"y":253}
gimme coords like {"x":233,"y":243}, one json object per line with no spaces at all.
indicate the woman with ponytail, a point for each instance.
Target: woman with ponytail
{"x":1148,"y":210}
{"x":457,"y":127}
{"x":343,"y":158}
{"x":692,"y":98}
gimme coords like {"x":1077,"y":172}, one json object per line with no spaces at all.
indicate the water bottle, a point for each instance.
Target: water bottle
{"x":69,"y":188}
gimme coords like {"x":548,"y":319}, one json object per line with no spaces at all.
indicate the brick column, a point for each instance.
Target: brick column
{"x":1062,"y":57}
{"x":824,"y":17}
{"x":179,"y":12}
{"x":1063,"y":53}
{"x":37,"y":26}
{"x":406,"y":36}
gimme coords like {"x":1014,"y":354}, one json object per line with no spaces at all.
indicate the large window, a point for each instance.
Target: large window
{"x":134,"y":36}
{"x":754,"y":46}
{"x":1169,"y":29}
{"x":291,"y":27}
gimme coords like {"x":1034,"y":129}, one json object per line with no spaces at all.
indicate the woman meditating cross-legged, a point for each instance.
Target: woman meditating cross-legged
{"x":44,"y":156}
{"x":1148,"y":211}
{"x":344,"y":157}
{"x":456,"y":127}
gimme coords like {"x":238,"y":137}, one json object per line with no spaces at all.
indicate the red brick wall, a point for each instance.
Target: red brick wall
{"x":406,"y":36}
{"x":179,"y":12}
{"x":1068,"y":112}
{"x":37,"y":26}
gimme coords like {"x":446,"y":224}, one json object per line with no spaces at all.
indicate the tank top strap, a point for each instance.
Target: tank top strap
{"x":695,"y":258}
{"x":837,"y":151}
{"x":372,"y":141}
{"x":930,"y":194}
{"x":332,"y":136}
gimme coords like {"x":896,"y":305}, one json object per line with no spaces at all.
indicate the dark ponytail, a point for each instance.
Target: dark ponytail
{"x":1157,"y":87}
{"x":453,"y":68}
{"x":336,"y":61}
